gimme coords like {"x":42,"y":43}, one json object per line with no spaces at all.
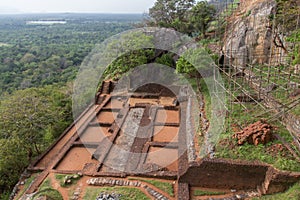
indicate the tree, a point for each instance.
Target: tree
{"x":30,"y":120}
{"x":128,"y":61}
{"x":182,"y":15}
{"x":195,"y":63}
{"x":166,"y":59}
{"x":171,"y":14}
{"x":183,"y":66}
{"x":12,"y":162}
{"x":25,"y":115}
{"x":201,"y":15}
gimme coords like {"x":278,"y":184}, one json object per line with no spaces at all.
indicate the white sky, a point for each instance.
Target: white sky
{"x":95,"y":6}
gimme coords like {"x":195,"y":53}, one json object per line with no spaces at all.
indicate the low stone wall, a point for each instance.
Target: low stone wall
{"x":183,"y":191}
{"x":224,"y":174}
{"x":126,"y":183}
{"x":278,"y":181}
{"x":238,"y":175}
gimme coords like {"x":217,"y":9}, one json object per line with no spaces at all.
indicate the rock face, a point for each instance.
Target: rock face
{"x":249,"y":38}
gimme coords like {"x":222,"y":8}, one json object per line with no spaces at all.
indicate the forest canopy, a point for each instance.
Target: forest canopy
{"x":38,"y":64}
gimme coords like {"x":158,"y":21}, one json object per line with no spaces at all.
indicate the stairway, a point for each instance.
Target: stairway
{"x":106,"y":87}
{"x":103,"y":92}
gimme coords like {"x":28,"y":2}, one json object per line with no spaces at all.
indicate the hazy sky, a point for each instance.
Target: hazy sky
{"x":98,"y":6}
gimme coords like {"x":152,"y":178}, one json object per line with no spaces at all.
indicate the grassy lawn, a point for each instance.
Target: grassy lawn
{"x":279,"y":75}
{"x":49,"y":193}
{"x":61,"y":178}
{"x":241,"y":117}
{"x":164,"y":186}
{"x":127,"y":193}
{"x":45,"y":184}
{"x":253,"y":153}
{"x":228,"y":148}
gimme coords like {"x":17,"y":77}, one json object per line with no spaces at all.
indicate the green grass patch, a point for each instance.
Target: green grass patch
{"x":228,"y":148}
{"x":280,"y":75}
{"x":127,"y":193}
{"x":46,"y":184}
{"x":164,"y":186}
{"x":62,"y":178}
{"x":296,"y":110}
{"x":207,"y":193}
{"x":241,"y":116}
{"x":254,"y":153}
{"x":292,"y":194}
{"x":50,"y":193}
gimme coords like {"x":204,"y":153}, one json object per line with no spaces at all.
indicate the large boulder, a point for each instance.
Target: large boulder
{"x":249,"y":34}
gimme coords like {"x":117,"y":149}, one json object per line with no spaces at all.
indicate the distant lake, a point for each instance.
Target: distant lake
{"x":45,"y":22}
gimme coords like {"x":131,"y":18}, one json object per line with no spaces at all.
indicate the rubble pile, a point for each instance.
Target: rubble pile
{"x":106,"y":196}
{"x":257,"y":133}
{"x":122,"y":182}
